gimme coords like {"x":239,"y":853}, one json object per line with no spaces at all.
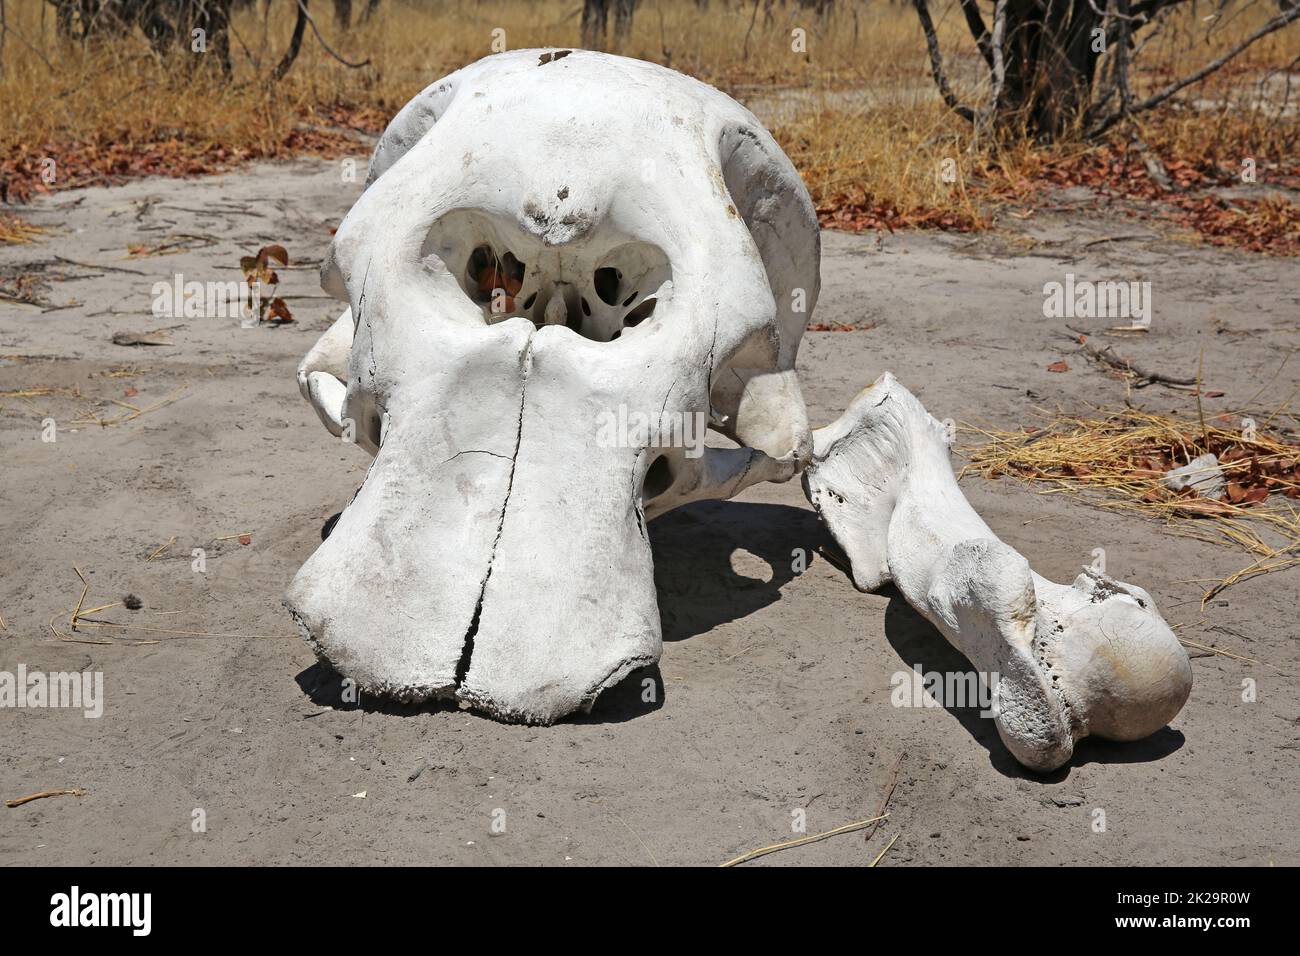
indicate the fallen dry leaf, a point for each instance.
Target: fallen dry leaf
{"x":277,"y":312}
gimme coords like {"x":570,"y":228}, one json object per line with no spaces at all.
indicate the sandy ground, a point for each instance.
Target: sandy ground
{"x":775,"y":686}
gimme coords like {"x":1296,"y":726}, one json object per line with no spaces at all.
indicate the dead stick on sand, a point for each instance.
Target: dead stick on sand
{"x":60,"y":636}
{"x":889,"y":792}
{"x":92,"y":610}
{"x":105,"y":422}
{"x":92,"y":622}
{"x":1108,"y":357}
{"x":162,"y":549}
{"x":802,"y":841}
{"x":1215,"y":650}
{"x":1200,"y":410}
{"x":885,"y":850}
{"x":1253,"y":570}
{"x":81,"y":600}
{"x":649,"y":852}
{"x":1095,"y":242}
{"x":19,"y":801}
{"x":91,"y":265}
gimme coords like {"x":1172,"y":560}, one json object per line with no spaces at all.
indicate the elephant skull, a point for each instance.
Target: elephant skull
{"x":551,"y":245}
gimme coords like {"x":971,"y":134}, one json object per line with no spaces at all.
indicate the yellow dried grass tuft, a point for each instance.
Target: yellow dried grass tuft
{"x":1116,"y":460}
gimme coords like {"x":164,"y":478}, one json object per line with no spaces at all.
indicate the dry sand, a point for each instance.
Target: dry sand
{"x":775,"y":687}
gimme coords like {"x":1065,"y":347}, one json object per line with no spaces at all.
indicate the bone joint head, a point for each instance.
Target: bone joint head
{"x":1094,"y":657}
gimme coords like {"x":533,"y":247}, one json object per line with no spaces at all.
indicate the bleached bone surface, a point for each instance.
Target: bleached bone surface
{"x":547,"y":238}
{"x":1093,"y":657}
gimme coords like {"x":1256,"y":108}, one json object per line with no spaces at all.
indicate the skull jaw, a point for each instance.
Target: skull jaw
{"x":496,"y":554}
{"x":569,"y":606}
{"x":495,"y":606}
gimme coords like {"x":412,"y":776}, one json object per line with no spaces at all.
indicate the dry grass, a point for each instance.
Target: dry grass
{"x":14,"y":229}
{"x":885,"y":169}
{"x":857,"y":110}
{"x":1116,"y":460}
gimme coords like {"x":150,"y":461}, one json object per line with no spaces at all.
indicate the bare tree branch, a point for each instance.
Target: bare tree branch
{"x":302,"y":8}
{"x":1122,"y":57}
{"x":10,"y":28}
{"x":295,"y":44}
{"x":999,"y":64}
{"x":936,"y":62}
{"x":1156,"y":99}
{"x":1149,"y":8}
{"x":1110,"y":13}
{"x":745,"y":55}
{"x":977,"y":29}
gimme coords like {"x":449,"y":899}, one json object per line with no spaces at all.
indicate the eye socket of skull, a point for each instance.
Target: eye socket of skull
{"x":600,"y":287}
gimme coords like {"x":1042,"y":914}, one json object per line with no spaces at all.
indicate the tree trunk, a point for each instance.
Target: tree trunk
{"x":623,"y":11}
{"x":295,"y":44}
{"x":1050,"y":66}
{"x":595,"y":17}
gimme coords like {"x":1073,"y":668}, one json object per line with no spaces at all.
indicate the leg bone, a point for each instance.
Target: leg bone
{"x":1092,"y":657}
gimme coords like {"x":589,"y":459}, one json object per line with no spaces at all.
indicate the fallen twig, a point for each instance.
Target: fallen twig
{"x":91,"y":265}
{"x":19,"y":801}
{"x":1215,"y":650}
{"x":802,"y":841}
{"x":172,"y":244}
{"x":1108,"y":357}
{"x":102,"y":607}
{"x":1123,"y":238}
{"x":889,"y":792}
{"x":649,"y":852}
{"x":93,"y":622}
{"x":162,"y":549}
{"x":72,"y":621}
{"x":882,"y":853}
{"x":67,"y":639}
{"x":1290,"y":556}
{"x":105,"y":422}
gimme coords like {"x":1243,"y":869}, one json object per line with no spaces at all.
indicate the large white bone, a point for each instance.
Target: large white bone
{"x":1094,"y":657}
{"x":497,"y":551}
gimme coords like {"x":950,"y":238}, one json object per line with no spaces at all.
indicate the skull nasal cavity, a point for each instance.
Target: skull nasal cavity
{"x":607,"y":281}
{"x":487,"y":271}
